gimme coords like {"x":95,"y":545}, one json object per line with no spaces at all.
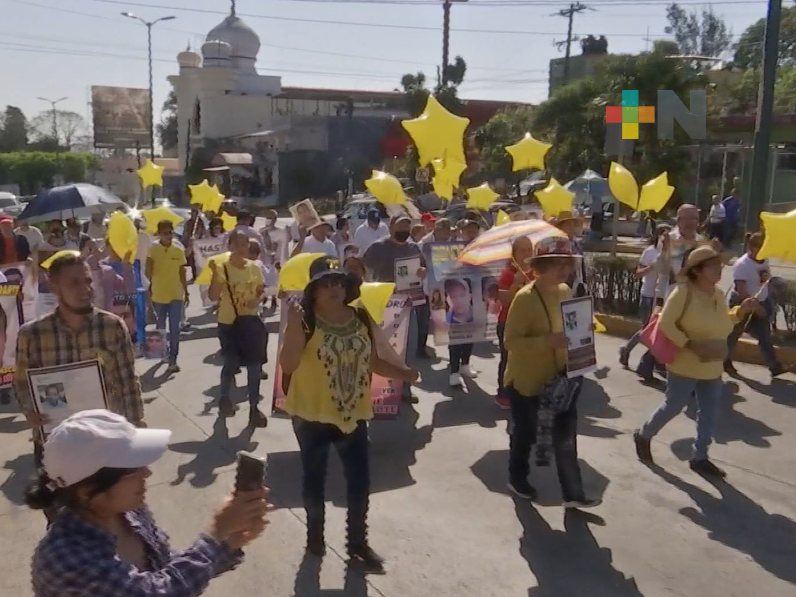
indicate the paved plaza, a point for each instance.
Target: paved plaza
{"x":440,"y":513}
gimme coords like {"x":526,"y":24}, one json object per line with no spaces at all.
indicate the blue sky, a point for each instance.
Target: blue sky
{"x":52,"y":49}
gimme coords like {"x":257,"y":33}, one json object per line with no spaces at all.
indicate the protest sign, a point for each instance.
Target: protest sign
{"x":203,"y":250}
{"x":385,"y":393}
{"x":11,"y":319}
{"x":463,"y":298}
{"x":578,"y":317}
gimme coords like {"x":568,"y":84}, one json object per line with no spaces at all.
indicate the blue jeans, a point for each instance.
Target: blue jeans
{"x":314,"y":440}
{"x":679,"y":390}
{"x":231,"y":365}
{"x":644,"y":313}
{"x":173,"y":313}
{"x":760,"y":329}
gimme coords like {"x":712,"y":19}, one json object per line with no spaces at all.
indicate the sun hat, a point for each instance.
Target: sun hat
{"x":697,"y":257}
{"x":320,"y":223}
{"x":91,"y":440}
{"x":325,"y":267}
{"x":428,"y":218}
{"x":553,"y":246}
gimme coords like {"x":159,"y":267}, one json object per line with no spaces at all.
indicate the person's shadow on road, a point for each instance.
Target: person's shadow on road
{"x":739,"y":523}
{"x":308,"y":580}
{"x":217,"y":451}
{"x":22,"y":472}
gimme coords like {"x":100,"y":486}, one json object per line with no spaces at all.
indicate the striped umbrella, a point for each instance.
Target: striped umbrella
{"x":495,"y":244}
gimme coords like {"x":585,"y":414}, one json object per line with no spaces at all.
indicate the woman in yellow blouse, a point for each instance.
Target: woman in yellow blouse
{"x":329,"y":355}
{"x":537,"y":353}
{"x":696,"y":319}
{"x":237,"y":285}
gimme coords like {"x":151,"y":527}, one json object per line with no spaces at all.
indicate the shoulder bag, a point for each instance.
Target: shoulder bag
{"x":663,"y":349}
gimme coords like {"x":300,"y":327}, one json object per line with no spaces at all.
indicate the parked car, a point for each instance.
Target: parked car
{"x":9,"y":204}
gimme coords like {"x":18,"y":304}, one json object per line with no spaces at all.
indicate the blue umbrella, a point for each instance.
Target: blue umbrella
{"x":590,"y":184}
{"x":71,"y":201}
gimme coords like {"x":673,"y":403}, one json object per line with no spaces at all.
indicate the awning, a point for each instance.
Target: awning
{"x":232,"y":159}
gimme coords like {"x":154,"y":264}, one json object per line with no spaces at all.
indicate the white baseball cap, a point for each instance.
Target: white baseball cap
{"x":91,"y":440}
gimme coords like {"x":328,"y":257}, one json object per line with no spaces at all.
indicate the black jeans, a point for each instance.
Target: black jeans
{"x":524,"y":412}
{"x":38,"y":461}
{"x":504,"y":356}
{"x":423,"y":316}
{"x":459,"y":355}
{"x":314,"y":440}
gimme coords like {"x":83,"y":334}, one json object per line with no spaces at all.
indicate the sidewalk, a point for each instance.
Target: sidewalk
{"x":440,"y":513}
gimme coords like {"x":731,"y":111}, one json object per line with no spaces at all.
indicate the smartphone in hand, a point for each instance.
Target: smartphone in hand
{"x":250,"y":472}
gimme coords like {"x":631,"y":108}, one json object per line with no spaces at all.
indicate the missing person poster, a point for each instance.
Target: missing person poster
{"x":304,"y":213}
{"x":385,"y":393}
{"x":12,"y":316}
{"x":578,"y":317}
{"x":463,"y":298}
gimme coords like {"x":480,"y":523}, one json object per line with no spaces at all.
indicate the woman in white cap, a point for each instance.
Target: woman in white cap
{"x":104,"y":541}
{"x":695,"y":318}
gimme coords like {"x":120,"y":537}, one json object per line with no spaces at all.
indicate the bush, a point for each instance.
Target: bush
{"x":612,"y":283}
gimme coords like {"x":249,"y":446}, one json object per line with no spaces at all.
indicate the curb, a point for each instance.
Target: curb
{"x":746,"y":350}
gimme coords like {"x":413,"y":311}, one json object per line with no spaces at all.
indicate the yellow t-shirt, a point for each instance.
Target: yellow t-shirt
{"x":245,"y":282}
{"x":531,"y":363}
{"x":703,"y":317}
{"x":167,"y":264}
{"x":332,"y":381}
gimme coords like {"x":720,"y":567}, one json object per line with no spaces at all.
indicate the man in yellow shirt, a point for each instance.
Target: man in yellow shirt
{"x":168,"y":287}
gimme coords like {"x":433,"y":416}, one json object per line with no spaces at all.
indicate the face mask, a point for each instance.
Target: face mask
{"x":401,"y":235}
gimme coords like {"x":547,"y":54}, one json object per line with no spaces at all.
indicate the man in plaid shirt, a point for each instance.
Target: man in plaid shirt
{"x":76,"y":331}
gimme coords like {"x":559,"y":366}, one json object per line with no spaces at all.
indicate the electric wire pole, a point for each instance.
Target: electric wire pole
{"x":569,"y":13}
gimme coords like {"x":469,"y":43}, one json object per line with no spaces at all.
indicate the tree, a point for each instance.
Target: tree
{"x":749,"y":49}
{"x":61,"y":126}
{"x":34,"y":170}
{"x":701,"y":34}
{"x":167,"y":127}
{"x":665,"y":46}
{"x":13,"y":130}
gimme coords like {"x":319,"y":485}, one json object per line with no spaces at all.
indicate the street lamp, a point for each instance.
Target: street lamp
{"x":149,"y":25}
{"x":55,"y":114}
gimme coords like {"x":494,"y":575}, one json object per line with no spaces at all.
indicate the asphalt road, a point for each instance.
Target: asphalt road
{"x":440,"y":512}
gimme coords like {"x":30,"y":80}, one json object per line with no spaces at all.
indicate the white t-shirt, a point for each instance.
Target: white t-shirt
{"x":717,"y":214}
{"x":33,"y":235}
{"x":364,"y":236}
{"x":679,"y":247}
{"x":650,"y":279}
{"x":326,"y":246}
{"x":748,"y":270}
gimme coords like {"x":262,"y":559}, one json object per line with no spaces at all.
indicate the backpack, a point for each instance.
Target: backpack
{"x":309,"y":330}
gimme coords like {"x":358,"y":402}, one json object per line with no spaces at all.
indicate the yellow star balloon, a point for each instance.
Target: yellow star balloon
{"x":623,"y":185}
{"x":447,"y":174}
{"x":374,"y":296}
{"x":154,"y":216}
{"x":228,"y":222}
{"x":206,"y":275}
{"x":780,"y":230}
{"x":437,"y":133}
{"x":554,"y":199}
{"x":481,"y":197}
{"x":655,"y":194}
{"x":502,"y":218}
{"x":151,"y":174}
{"x":528,"y":153}
{"x":295,"y":272}
{"x":386,"y":188}
{"x":122,"y":235}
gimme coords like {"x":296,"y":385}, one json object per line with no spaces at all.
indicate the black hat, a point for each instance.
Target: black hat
{"x":329,"y":266}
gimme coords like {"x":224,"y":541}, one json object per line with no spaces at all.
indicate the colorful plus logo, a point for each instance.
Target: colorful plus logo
{"x":630,"y":114}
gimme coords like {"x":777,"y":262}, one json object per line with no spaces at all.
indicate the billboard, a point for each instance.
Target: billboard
{"x":121,"y":116}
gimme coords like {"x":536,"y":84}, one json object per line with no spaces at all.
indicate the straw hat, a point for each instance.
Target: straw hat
{"x":553,"y":246}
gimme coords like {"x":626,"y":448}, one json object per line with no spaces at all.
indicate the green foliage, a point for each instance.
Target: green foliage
{"x":13,"y":130}
{"x":167,"y":127}
{"x":741,"y":96}
{"x":504,"y":128}
{"x":34,"y":170}
{"x":749,"y":49}
{"x":701,"y":34}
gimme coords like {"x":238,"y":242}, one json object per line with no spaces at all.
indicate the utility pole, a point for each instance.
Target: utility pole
{"x":446,"y":34}
{"x":349,"y":111}
{"x":55,"y":114}
{"x":569,"y":13}
{"x":756,"y":198}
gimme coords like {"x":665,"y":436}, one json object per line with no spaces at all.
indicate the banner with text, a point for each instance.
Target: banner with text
{"x":463,"y":298}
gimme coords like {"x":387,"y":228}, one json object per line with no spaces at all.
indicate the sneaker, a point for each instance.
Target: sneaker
{"x":643,"y":448}
{"x":778,"y":370}
{"x":646,"y":376}
{"x":624,"y":357}
{"x":226,"y":408}
{"x":706,"y":468}
{"x":257,"y":418}
{"x":468,"y":372}
{"x":365,"y":555}
{"x":455,"y":380}
{"x":583,"y":503}
{"x":522,"y":489}
{"x":503,"y":401}
{"x":263,"y":375}
{"x":172,"y":369}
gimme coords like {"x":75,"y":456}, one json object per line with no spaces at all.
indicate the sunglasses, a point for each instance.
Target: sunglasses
{"x":330,"y":282}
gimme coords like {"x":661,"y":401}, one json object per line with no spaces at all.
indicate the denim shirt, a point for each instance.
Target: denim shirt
{"x":78,"y":559}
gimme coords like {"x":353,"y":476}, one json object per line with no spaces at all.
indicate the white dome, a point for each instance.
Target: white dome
{"x":216,"y":49}
{"x":243,"y":41}
{"x":189,"y":59}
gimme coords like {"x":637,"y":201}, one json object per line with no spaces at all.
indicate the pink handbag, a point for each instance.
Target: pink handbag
{"x":663,"y":349}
